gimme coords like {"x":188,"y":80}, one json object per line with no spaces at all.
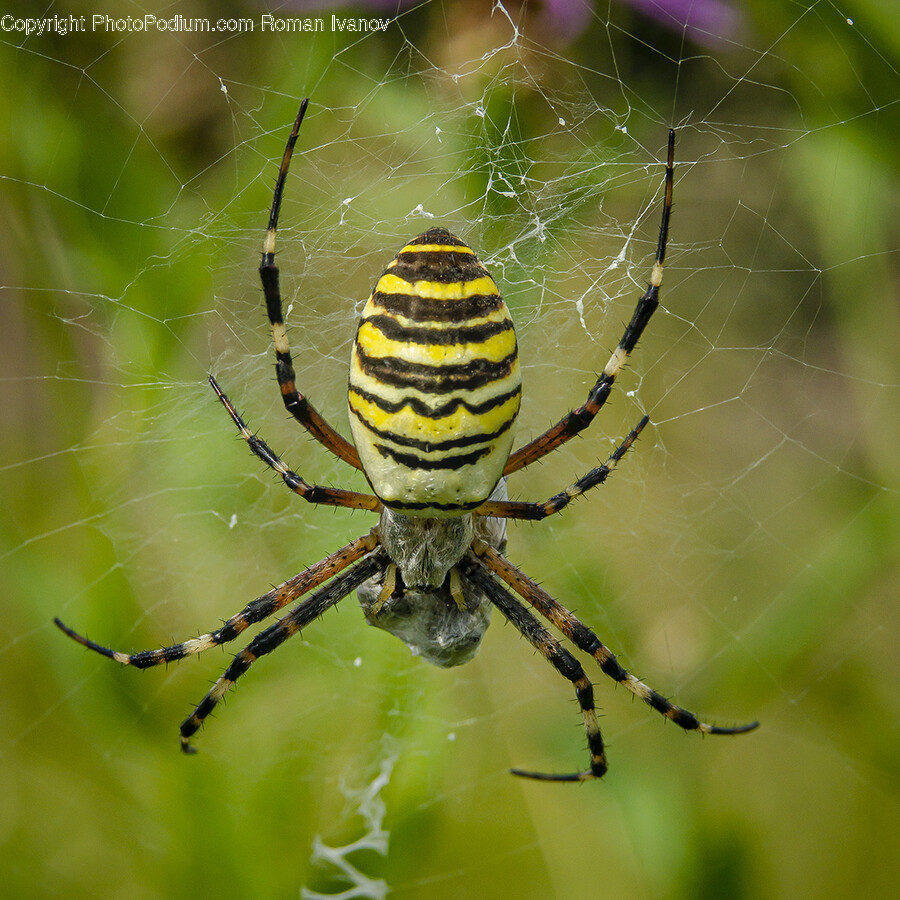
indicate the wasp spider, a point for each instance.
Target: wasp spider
{"x":434,"y":393}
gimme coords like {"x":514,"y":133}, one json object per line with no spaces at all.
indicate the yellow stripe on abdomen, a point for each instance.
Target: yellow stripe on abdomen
{"x":422,"y":348}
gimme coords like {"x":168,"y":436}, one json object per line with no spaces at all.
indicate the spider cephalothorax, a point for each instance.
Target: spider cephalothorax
{"x":434,"y":392}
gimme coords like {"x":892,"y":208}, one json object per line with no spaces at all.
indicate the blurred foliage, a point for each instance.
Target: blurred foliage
{"x":744,"y":557}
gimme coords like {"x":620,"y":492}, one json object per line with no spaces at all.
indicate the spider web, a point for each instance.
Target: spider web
{"x":742,"y":558}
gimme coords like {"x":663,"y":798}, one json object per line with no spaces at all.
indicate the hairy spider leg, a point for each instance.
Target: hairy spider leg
{"x":275,"y":635}
{"x":312,"y":492}
{"x":576,"y":421}
{"x":253,"y":612}
{"x":585,"y":639}
{"x":514,"y":509}
{"x":557,"y":655}
{"x":295,"y":402}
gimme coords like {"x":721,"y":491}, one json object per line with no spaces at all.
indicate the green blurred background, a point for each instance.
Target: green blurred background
{"x":742,"y":560}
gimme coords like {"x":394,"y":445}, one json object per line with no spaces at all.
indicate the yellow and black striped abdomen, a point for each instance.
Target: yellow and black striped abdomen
{"x":434,"y":380}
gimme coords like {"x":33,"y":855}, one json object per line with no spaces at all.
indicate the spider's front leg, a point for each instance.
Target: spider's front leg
{"x":557,"y":655}
{"x":585,"y":639}
{"x":275,"y":635}
{"x":255,"y":611}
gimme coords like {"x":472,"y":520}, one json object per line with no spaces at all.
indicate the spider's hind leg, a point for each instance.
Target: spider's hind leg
{"x":578,"y":420}
{"x":294,"y":401}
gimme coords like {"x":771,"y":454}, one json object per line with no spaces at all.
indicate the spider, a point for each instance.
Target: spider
{"x":434,"y":391}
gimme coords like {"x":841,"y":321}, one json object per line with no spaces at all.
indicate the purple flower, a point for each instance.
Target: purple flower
{"x":704,"y":21}
{"x":708,"y":22}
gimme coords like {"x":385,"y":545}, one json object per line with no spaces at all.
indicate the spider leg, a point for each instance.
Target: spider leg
{"x":511,"y":509}
{"x":585,"y":639}
{"x":295,"y":402}
{"x":253,"y":612}
{"x":557,"y":655}
{"x":311,"y":492}
{"x":275,"y":635}
{"x":579,"y":419}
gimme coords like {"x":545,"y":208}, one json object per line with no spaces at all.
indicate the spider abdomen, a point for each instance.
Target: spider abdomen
{"x":434,"y":380}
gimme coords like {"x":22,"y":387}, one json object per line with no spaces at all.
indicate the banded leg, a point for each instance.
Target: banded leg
{"x":579,"y":419}
{"x":311,"y":492}
{"x":557,"y":655}
{"x":512,"y":509}
{"x":295,"y":402}
{"x":253,"y":612}
{"x":585,"y":639}
{"x":275,"y":635}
